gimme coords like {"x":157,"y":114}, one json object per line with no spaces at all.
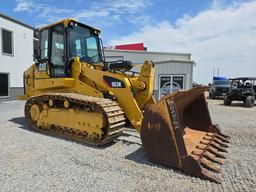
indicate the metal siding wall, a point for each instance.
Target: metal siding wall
{"x":16,"y":91}
{"x":113,"y":58}
{"x":171,"y":68}
{"x":140,"y":57}
{"x":174,"y":69}
{"x":22,"y":50}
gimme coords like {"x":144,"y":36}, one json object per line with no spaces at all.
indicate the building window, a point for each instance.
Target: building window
{"x":7,"y":42}
{"x":4,"y":85}
{"x":170,"y":84}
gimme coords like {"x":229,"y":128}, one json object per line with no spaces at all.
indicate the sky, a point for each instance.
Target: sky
{"x":218,"y":33}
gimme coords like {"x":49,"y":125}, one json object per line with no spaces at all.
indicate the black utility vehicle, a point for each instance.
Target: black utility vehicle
{"x":219,"y":88}
{"x":242,"y":89}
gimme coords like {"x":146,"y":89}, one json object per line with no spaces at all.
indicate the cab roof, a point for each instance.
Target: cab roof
{"x":66,"y":23}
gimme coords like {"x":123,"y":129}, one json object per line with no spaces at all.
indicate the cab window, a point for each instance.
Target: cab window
{"x":57,"y":52}
{"x":83,"y":44}
{"x":92,"y":49}
{"x":44,"y":45}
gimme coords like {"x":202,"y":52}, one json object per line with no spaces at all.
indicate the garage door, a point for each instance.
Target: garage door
{"x":4,"y":84}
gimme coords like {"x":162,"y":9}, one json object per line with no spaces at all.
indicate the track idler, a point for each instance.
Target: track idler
{"x":178,"y":132}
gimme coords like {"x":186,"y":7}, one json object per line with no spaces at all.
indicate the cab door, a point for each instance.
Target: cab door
{"x":52,"y":61}
{"x":52,"y":72}
{"x":57,"y":53}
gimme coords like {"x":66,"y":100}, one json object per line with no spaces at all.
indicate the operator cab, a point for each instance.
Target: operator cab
{"x":64,"y":40}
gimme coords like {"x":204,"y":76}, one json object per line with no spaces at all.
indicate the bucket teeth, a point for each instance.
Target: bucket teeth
{"x":216,"y":140}
{"x":212,"y":150}
{"x":208,"y":155}
{"x":206,"y":175}
{"x":216,"y":126}
{"x":218,"y":136}
{"x":217,"y":146}
{"x":226,"y":140}
{"x":222,"y":144}
{"x":214,"y":145}
{"x":213,"y":158}
{"x":207,"y":164}
{"x":224,"y":136}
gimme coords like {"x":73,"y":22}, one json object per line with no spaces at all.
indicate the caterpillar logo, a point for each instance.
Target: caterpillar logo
{"x":113,"y":82}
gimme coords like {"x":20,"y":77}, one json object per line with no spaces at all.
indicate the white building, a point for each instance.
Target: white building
{"x":16,"y":55}
{"x":174,"y":71}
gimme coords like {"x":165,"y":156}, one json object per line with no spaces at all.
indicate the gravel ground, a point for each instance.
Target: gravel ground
{"x":30,"y":161}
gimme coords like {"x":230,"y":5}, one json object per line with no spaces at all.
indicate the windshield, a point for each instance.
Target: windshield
{"x":242,"y":83}
{"x":221,"y":82}
{"x":84,"y":45}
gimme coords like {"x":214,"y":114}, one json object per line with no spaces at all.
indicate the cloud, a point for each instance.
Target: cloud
{"x":51,"y":13}
{"x":24,"y":5}
{"x":103,"y":12}
{"x":92,"y":14}
{"x":223,"y":36}
{"x":111,"y":11}
{"x":121,"y":6}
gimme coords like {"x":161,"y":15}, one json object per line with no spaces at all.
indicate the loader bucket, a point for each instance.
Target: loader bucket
{"x":178,"y":132}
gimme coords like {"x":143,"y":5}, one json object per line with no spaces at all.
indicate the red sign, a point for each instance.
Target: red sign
{"x":135,"y":46}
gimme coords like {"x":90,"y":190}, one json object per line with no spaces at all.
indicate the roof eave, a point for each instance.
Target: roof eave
{"x":16,"y":21}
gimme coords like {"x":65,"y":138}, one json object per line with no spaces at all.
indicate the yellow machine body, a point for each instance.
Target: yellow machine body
{"x":89,"y":80}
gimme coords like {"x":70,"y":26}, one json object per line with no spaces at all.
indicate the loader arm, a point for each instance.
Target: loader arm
{"x":132,"y":93}
{"x":145,"y":95}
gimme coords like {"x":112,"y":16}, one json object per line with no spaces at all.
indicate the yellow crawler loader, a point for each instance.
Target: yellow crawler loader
{"x":71,"y":91}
